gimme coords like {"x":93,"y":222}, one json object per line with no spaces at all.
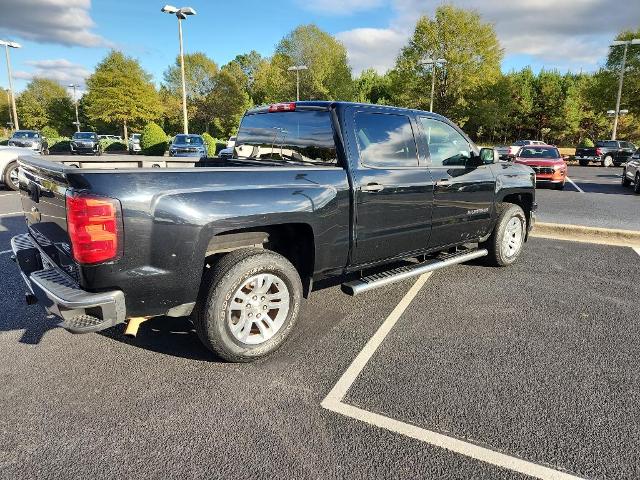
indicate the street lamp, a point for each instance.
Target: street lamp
{"x":297,"y":69}
{"x":10,"y":122}
{"x":8,"y":44}
{"x":626,"y":43}
{"x":433,"y":63}
{"x":75,"y":101}
{"x":182,"y":14}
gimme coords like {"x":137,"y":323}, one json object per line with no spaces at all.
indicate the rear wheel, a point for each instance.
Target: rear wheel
{"x":249,"y":304}
{"x":506,"y":241}
{"x":607,"y":161}
{"x":11,"y":176}
{"x":584,"y":163}
{"x":636,"y":185}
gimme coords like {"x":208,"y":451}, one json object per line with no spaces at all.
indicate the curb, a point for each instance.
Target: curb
{"x":580,"y":233}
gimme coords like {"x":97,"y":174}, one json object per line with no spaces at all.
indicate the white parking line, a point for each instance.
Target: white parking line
{"x":637,"y":250}
{"x":10,"y":214}
{"x":8,"y":195}
{"x":574,"y":184}
{"x":5,"y":251}
{"x":333,"y":402}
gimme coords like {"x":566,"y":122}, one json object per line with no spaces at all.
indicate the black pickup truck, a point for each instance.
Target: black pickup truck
{"x":316,"y":194}
{"x":606,"y":152}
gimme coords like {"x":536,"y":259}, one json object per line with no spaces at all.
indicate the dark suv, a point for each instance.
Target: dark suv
{"x":85,"y":142}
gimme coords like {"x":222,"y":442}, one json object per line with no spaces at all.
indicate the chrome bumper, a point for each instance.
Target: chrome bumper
{"x":81,"y":311}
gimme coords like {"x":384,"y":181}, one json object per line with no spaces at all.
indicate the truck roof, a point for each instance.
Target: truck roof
{"x":328,"y":104}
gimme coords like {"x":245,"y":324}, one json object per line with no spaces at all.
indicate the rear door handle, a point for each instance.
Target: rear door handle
{"x":372,"y":188}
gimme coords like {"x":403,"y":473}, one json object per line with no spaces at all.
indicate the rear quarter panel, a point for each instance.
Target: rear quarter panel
{"x":170,"y":216}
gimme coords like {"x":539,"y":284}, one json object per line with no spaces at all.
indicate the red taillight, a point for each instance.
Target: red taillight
{"x":94,"y":227}
{"x":598,"y":151}
{"x":282,"y":107}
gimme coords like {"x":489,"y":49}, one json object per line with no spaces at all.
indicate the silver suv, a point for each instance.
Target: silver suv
{"x":631,"y":172}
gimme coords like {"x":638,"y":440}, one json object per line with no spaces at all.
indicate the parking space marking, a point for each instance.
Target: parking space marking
{"x":8,"y":195}
{"x":333,"y":402}
{"x":5,"y":251}
{"x":10,"y":214}
{"x":575,"y":185}
{"x":637,"y":250}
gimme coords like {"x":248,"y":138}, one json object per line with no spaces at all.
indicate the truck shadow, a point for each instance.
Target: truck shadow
{"x":167,"y":335}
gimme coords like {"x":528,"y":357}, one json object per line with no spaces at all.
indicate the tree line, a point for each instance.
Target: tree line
{"x":564,"y":108}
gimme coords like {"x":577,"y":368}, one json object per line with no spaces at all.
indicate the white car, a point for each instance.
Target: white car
{"x":134,"y":143}
{"x":9,"y":164}
{"x":510,"y":151}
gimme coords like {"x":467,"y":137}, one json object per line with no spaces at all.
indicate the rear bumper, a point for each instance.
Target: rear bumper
{"x":80,"y":311}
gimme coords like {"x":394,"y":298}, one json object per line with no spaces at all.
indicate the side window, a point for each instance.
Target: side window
{"x":385,"y":140}
{"x":446,"y":146}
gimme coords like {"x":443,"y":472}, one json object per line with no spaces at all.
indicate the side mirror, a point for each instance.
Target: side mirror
{"x":489,"y":155}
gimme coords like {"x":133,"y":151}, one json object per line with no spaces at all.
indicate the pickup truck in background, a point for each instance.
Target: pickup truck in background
{"x":606,"y":152}
{"x":509,"y":152}
{"x":316,"y":194}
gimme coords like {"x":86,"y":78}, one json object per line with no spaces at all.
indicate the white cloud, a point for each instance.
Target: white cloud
{"x":559,"y":33}
{"x":61,"y":70}
{"x":340,"y":7}
{"x":372,"y":47}
{"x":65,"y":22}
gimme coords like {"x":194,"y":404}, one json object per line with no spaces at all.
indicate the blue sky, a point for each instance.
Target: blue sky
{"x":65,"y":39}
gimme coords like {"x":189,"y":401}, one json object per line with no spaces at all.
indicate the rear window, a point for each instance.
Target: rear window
{"x":539,"y":152}
{"x":300,"y":136}
{"x":607,"y":144}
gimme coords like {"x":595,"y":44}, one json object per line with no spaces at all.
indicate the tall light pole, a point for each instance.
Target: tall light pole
{"x":8,"y":44}
{"x":182,"y":14}
{"x":75,"y":101}
{"x":433,"y":63}
{"x":297,"y":69}
{"x":10,"y":122}
{"x":616,"y":115}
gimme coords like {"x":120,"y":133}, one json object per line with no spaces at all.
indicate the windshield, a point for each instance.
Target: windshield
{"x":84,"y":136}
{"x":188,"y":139}
{"x":607,"y":144}
{"x":300,"y":137}
{"x":545,"y":153}
{"x":19,"y":134}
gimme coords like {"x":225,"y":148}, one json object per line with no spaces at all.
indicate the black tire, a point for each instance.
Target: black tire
{"x":607,"y":161}
{"x":497,"y":257}
{"x":12,"y":167}
{"x":625,"y":181}
{"x":636,"y":184}
{"x":219,"y":286}
{"x":558,"y":186}
{"x":584,"y":163}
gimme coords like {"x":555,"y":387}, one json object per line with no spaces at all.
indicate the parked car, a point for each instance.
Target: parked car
{"x":116,"y":138}
{"x":331,"y":190}
{"x":134,"y":143}
{"x":631,"y":172}
{"x":606,"y":152}
{"x":85,"y":142}
{"x":9,"y":164}
{"x":508,"y":152}
{"x":31,"y":139}
{"x":547,"y":162}
{"x":184,"y":145}
{"x":232,"y":141}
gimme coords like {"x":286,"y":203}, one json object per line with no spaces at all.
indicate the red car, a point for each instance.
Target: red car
{"x":547,"y":162}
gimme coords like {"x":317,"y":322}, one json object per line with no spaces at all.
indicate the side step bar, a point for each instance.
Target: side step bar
{"x":378,"y":280}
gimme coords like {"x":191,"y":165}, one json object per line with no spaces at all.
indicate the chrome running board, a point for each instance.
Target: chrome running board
{"x":388,"y":277}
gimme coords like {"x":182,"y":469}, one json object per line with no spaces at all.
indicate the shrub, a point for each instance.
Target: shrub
{"x":49,"y":132}
{"x":112,"y":145}
{"x":587,"y":142}
{"x":59,"y":144}
{"x":154,"y":140}
{"x":210,"y":142}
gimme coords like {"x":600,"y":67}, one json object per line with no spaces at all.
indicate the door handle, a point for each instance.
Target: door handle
{"x":443,"y":181}
{"x":372,"y":188}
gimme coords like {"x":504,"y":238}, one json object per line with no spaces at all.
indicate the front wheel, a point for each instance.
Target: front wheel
{"x":625,"y":181}
{"x":584,"y":163}
{"x":505,"y":243}
{"x":249,"y":303}
{"x":559,"y":186}
{"x":11,"y":176}
{"x":636,"y":185}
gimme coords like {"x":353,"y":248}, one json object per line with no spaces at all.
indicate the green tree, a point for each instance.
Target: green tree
{"x":121,"y":92}
{"x":227,"y":102}
{"x":371,"y":87}
{"x":45,"y":103}
{"x":328,"y":76}
{"x":153,"y":140}
{"x":472,"y":53}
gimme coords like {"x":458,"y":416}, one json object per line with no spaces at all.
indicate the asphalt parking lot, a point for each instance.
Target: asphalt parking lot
{"x":536,"y":365}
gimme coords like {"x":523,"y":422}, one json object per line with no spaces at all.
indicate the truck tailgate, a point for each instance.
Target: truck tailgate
{"x":43,"y":187}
